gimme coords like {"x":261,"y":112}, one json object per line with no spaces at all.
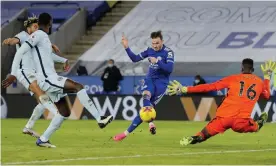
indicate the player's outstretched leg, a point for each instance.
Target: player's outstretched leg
{"x":147,"y":103}
{"x":152,"y":128}
{"x":213,"y":128}
{"x":44,"y":102}
{"x":198,"y":138}
{"x":56,"y":122}
{"x":135,"y":123}
{"x":42,"y":97}
{"x":71,"y":86}
{"x":64,"y":113}
{"x":28,"y":129}
{"x":137,"y":120}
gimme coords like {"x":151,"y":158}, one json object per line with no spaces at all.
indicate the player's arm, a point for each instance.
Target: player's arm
{"x":168,"y":66}
{"x":274,"y":78}
{"x":56,"y":49}
{"x":268,"y":68}
{"x":58,"y":59}
{"x":18,"y":56}
{"x":218,"y":85}
{"x":266,"y":89}
{"x":175,"y":88}
{"x":27,"y":46}
{"x":11,"y":41}
{"x":134,"y":57}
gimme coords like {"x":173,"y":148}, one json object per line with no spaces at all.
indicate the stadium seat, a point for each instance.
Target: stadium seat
{"x":95,"y":9}
{"x":60,"y":15}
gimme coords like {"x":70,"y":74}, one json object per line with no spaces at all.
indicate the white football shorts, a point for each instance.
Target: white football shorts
{"x":26,"y":77}
{"x":53,"y":86}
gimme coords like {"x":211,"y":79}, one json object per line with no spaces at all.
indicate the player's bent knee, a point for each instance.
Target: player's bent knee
{"x":146,"y":95}
{"x":36,"y":89}
{"x":43,"y":98}
{"x":146,"y":92}
{"x":79,"y":86}
{"x":66,"y":114}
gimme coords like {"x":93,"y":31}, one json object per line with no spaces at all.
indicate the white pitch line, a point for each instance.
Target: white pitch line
{"x":139,"y":156}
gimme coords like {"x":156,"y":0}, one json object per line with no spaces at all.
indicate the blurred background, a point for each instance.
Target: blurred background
{"x":209,"y":40}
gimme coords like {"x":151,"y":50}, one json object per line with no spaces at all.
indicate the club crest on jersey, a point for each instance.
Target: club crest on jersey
{"x":159,"y":58}
{"x":59,"y":78}
{"x":170,"y":54}
{"x":31,"y":77}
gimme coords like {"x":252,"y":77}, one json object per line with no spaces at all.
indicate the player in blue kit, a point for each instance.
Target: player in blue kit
{"x":161,"y":60}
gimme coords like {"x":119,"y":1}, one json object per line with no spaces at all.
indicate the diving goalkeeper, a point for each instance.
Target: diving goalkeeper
{"x":235,"y":110}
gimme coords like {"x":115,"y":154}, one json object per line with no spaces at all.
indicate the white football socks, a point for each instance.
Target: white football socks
{"x":126,"y":133}
{"x":38,"y":111}
{"x":151,"y":124}
{"x":54,"y":125}
{"x":88,"y":104}
{"x":47,"y":103}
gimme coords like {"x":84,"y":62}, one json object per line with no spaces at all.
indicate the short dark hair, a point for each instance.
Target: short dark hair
{"x":248,"y":63}
{"x":111,"y":60}
{"x":44,"y":19}
{"x":198,"y":76}
{"x":156,"y":34}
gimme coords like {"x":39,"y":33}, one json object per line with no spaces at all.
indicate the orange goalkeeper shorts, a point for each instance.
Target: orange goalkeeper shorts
{"x":240,"y":125}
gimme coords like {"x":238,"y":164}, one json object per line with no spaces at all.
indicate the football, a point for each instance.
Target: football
{"x":147,"y":114}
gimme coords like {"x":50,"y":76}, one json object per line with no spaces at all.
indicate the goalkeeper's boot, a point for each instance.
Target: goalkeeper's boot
{"x":105,"y":121}
{"x":190,"y":140}
{"x":119,"y":137}
{"x":152,"y":128}
{"x":262,"y":120}
{"x":46,"y":144}
{"x":30,"y":132}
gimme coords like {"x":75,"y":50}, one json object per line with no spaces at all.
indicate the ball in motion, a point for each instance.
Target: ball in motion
{"x":147,"y":114}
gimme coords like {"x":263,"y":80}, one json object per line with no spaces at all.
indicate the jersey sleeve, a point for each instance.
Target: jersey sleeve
{"x":170,"y":57}
{"x":144,"y":54}
{"x":266,"y":89}
{"x":21,"y":37}
{"x":18,"y":56}
{"x":168,"y":65}
{"x":139,"y":57}
{"x":57,"y":58}
{"x":218,"y":85}
{"x":34,"y":38}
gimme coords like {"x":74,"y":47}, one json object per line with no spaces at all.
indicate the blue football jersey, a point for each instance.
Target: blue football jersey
{"x":163,"y":68}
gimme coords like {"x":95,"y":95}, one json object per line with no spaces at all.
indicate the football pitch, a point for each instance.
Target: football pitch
{"x":82,"y":142}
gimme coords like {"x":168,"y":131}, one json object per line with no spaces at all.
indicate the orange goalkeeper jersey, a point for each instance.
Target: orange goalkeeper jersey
{"x":244,"y":91}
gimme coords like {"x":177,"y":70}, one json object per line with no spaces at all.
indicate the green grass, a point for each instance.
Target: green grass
{"x":83,"y":139}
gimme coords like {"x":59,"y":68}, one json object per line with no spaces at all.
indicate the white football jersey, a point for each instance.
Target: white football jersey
{"x":41,"y":52}
{"x":27,"y":61}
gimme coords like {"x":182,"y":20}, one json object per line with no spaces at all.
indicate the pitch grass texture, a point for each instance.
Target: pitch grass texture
{"x":82,"y":142}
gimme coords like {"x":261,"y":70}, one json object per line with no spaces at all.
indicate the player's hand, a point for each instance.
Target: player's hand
{"x":124,"y":41}
{"x":175,"y":88}
{"x":66,"y":66}
{"x":153,"y":60}
{"x":268,"y":68}
{"x":6,"y":41}
{"x":55,"y":48}
{"x":8,"y":81}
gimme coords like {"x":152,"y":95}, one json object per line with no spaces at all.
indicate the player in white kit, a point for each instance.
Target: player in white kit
{"x":55,"y":86}
{"x":26,"y":71}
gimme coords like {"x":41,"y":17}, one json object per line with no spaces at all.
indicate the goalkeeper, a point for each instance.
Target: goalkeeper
{"x":235,"y":110}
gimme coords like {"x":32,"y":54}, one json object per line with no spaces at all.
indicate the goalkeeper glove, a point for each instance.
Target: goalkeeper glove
{"x":175,"y":88}
{"x":268,"y":68}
